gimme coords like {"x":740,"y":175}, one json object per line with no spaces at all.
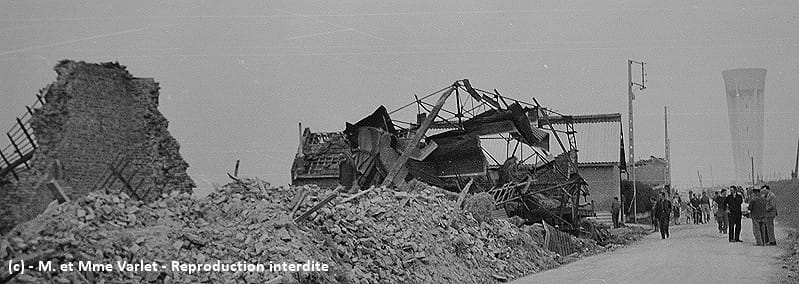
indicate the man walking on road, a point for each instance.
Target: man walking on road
{"x":615,"y":209}
{"x":662,"y":210}
{"x":733,"y":204}
{"x":721,"y":211}
{"x":771,"y":213}
{"x":757,"y":212}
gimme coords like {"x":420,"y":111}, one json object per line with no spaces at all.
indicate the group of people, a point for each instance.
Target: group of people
{"x":762,"y":211}
{"x":725,"y":208}
{"x":698,"y":208}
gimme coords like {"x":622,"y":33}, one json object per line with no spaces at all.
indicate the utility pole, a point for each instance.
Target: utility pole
{"x":668,"y":145}
{"x":699,"y":175}
{"x":753,"y":170}
{"x":795,"y":172}
{"x":711,"y":175}
{"x":630,"y":98}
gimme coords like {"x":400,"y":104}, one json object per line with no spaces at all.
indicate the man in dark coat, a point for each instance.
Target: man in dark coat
{"x":757,"y":212}
{"x":662,"y":212}
{"x":695,"y":209}
{"x":733,"y":203}
{"x":771,"y":213}
{"x":721,"y":211}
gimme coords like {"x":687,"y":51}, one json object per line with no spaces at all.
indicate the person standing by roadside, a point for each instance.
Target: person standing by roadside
{"x":715,"y":204}
{"x":704,"y":204}
{"x":771,"y":213}
{"x":697,"y":213}
{"x":676,"y":206}
{"x":662,"y":211}
{"x":733,"y":204}
{"x":757,"y":212}
{"x":615,"y":209}
{"x":653,"y":203}
{"x":721,"y":211}
{"x":686,"y":209}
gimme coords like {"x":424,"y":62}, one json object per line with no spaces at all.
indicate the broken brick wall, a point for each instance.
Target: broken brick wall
{"x":92,"y":113}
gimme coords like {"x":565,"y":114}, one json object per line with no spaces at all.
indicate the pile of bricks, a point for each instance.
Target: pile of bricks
{"x":416,"y":234}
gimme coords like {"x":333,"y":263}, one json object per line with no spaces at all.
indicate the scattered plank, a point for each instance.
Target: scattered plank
{"x":319,"y":205}
{"x":399,"y":164}
{"x":359,"y":194}
{"x":56,"y":188}
{"x":464,"y":191}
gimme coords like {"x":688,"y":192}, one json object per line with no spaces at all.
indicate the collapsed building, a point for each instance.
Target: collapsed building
{"x":470,"y":140}
{"x":96,"y":127}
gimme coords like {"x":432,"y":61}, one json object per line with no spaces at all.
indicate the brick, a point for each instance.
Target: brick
{"x":92,"y":112}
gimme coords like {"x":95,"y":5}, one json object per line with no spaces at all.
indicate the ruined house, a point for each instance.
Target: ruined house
{"x":468,"y":137}
{"x":318,"y":158}
{"x":103,"y":126}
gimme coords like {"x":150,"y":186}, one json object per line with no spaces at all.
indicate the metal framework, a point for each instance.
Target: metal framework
{"x":467,"y":102}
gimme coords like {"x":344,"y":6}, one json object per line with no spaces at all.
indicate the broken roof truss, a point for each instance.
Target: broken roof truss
{"x":462,"y":112}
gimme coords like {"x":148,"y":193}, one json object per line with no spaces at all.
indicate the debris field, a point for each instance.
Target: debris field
{"x":414,"y":234}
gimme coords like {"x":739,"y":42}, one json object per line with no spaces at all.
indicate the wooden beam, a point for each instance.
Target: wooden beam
{"x":359,"y":194}
{"x":25,"y":131}
{"x":14,"y":164}
{"x":462,"y":195}
{"x":317,"y":206}
{"x":17,"y":149}
{"x":125,"y":182}
{"x":58,"y":191}
{"x":417,"y":137}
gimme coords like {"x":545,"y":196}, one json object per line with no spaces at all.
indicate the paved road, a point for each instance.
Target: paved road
{"x":693,"y":254}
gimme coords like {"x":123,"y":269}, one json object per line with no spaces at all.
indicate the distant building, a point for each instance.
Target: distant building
{"x":651,"y":171}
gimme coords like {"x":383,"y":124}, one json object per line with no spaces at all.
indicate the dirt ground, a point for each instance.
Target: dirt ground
{"x":693,"y":254}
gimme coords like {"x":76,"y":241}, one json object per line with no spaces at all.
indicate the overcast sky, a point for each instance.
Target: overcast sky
{"x":237,"y":76}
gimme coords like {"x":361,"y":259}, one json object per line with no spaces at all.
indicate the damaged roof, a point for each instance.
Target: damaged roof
{"x":598,"y":137}
{"x":320,"y":156}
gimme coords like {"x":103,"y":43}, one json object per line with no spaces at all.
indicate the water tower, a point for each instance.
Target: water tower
{"x":745,"y":104}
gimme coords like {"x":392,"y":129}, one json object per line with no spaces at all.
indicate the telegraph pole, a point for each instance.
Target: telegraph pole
{"x":751,"y":158}
{"x":699,"y":175}
{"x":668,"y":146}
{"x":630,"y":98}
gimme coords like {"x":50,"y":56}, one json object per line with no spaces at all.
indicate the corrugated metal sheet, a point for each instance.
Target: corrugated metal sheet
{"x":596,"y":142}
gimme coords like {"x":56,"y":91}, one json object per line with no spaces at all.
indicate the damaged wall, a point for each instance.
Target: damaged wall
{"x":93,"y":112}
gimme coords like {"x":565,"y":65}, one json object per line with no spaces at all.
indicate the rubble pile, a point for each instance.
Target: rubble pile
{"x":788,"y":217}
{"x":383,"y":236}
{"x":392,"y":236}
{"x":625,"y":235}
{"x":791,"y":257}
{"x":230,"y":225}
